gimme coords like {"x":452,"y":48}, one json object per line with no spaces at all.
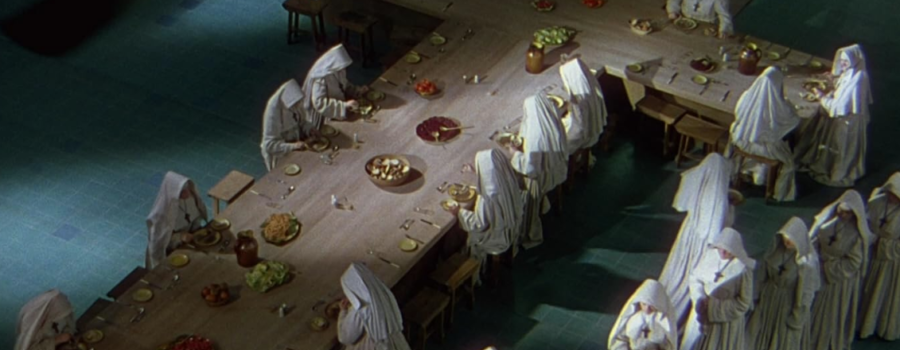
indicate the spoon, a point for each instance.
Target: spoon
{"x":444,"y":128}
{"x":437,"y":135}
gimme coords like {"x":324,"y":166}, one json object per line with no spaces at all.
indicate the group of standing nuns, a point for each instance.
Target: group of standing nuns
{"x":814,"y":289}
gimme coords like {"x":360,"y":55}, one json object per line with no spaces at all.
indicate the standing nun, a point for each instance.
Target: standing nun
{"x":587,"y":109}
{"x":721,"y":295}
{"x":881,"y":297}
{"x":645,"y":322}
{"x":370,"y":318}
{"x":178,"y":208}
{"x":45,"y":322}
{"x":327,"y":94}
{"x":762,"y":119}
{"x":787,"y":279}
{"x":543,"y":160}
{"x":283,"y":124}
{"x":703,"y":195}
{"x":833,"y":147}
{"x":841,"y":235}
{"x":497,"y":220}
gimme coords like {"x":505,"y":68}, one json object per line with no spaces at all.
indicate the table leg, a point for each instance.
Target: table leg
{"x":216,"y":205}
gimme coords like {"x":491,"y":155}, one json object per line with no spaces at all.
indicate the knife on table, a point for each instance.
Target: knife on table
{"x":387,"y":81}
{"x":260,"y":194}
{"x":430,"y":223}
{"x":672,"y":78}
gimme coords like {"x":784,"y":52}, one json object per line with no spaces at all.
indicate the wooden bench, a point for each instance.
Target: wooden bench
{"x":459,"y":271}
{"x":92,"y":312}
{"x":312,"y":9}
{"x":774,"y":166}
{"x":133,"y":277}
{"x":359,"y":23}
{"x":229,"y":188}
{"x":692,"y":127}
{"x":424,"y":308}
{"x":666,"y":112}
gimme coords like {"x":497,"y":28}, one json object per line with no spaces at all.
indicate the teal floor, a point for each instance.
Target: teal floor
{"x":180,"y":85}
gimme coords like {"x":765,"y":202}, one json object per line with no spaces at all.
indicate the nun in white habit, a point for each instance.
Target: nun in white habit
{"x":645,"y":322}
{"x":709,"y":11}
{"x":543,"y":160}
{"x":497,"y":220}
{"x":178,"y":208}
{"x":786,"y":282}
{"x":587,"y":108}
{"x":327,"y":94}
{"x":881,"y":296}
{"x":762,"y":119}
{"x":45,"y":322}
{"x":841,"y":236}
{"x":703,"y":195}
{"x":370,"y":318}
{"x":721,"y":295}
{"x":833,"y":147}
{"x":283,"y":124}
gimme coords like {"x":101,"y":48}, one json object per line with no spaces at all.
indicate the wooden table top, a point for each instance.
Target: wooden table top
{"x":333,"y":238}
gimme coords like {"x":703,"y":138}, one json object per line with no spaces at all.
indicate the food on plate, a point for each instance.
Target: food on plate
{"x":333,"y":310}
{"x":703,"y":64}
{"x":215,"y":294}
{"x":430,"y":129}
{"x":685,"y":23}
{"x":554,"y":35}
{"x":592,"y":3}
{"x":461,"y":193}
{"x":641,"y":26}
{"x":426,"y":87}
{"x":543,"y":5}
{"x":812,"y":84}
{"x":388,"y":169}
{"x":191,"y":343}
{"x":280,"y":227}
{"x":267,"y":275}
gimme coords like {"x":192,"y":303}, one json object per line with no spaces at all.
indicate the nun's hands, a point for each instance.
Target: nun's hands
{"x":819,"y":94}
{"x":363,"y":89}
{"x":674,"y":15}
{"x":352,"y":105}
{"x":345,"y":303}
{"x":299,"y":146}
{"x":63,"y":338}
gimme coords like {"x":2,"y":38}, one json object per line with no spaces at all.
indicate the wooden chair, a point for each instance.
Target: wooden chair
{"x":666,"y":112}
{"x":359,"y":23}
{"x":457,"y":272}
{"x":312,"y":9}
{"x":92,"y":312}
{"x":229,"y":188}
{"x":691,"y":127}
{"x":133,"y":277}
{"x":427,"y":306}
{"x":774,"y":166}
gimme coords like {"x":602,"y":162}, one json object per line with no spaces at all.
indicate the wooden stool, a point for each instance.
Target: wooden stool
{"x":229,"y":188}
{"x":453,"y":274}
{"x":668,"y":113}
{"x":92,"y":312}
{"x":422,"y":310}
{"x":313,"y":10}
{"x":359,"y":23}
{"x":135,"y":275}
{"x":771,"y":175}
{"x":691,"y":127}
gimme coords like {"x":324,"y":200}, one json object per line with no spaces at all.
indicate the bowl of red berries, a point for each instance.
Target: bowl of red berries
{"x":426,"y":87}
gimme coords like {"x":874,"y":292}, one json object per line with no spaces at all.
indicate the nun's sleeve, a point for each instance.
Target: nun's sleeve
{"x":839,"y":269}
{"x":525,"y":164}
{"x":350,"y":326}
{"x":273,"y":143}
{"x":727,"y":310}
{"x":474,"y":221}
{"x":673,"y":7}
{"x":723,"y":10}
{"x":802,"y":301}
{"x":327,"y":106}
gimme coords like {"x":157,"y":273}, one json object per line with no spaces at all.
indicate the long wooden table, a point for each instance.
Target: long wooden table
{"x":333,"y":238}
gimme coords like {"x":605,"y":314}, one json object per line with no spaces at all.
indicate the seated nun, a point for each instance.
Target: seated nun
{"x":283,"y":124}
{"x":841,"y":236}
{"x":786,"y":281}
{"x":721,"y":295}
{"x":833,"y":147}
{"x":370,"y":318}
{"x":708,"y":11}
{"x":881,"y":299}
{"x":497,"y":220}
{"x":327,"y":94}
{"x":177,"y":211}
{"x":645,"y":322}
{"x":762,"y":119}
{"x":45,"y":322}
{"x":703,"y":195}
{"x":543,"y":160}
{"x":587,"y":109}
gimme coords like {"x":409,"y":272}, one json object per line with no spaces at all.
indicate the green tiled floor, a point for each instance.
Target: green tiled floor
{"x":181,"y":86}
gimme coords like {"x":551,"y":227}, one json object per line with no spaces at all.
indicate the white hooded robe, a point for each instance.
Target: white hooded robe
{"x":881,"y":296}
{"x":637,"y":330}
{"x":373,"y":321}
{"x":326,"y":87}
{"x":42,"y":319}
{"x":587,"y":108}
{"x":283,"y":123}
{"x":170,"y":213}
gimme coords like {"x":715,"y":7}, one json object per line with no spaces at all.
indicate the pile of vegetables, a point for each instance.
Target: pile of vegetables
{"x":554,"y":35}
{"x":267,"y":275}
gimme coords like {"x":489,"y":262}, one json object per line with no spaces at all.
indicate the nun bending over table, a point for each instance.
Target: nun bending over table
{"x":881,"y":296}
{"x":327,"y":94}
{"x":786,"y":282}
{"x":703,"y":195}
{"x":762,"y":119}
{"x":645,"y":322}
{"x":708,"y":11}
{"x":841,"y":235}
{"x":833,"y":147}
{"x":283,"y":124}
{"x":45,"y":322}
{"x":543,"y":160}
{"x":177,"y":209}
{"x":587,"y":108}
{"x":370,"y":318}
{"x":721,"y":295}
{"x":497,"y":220}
